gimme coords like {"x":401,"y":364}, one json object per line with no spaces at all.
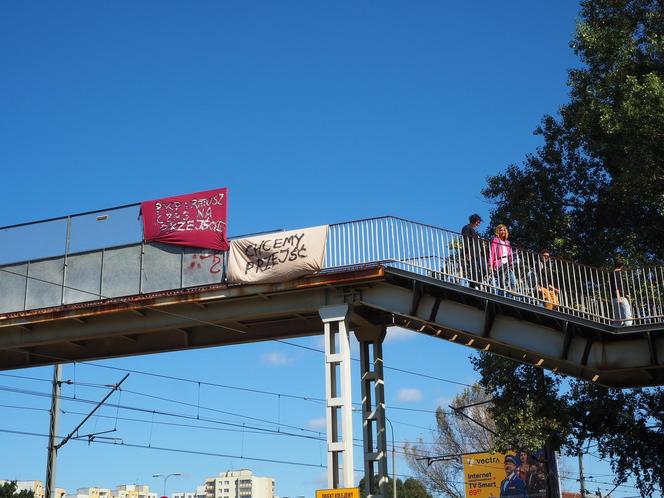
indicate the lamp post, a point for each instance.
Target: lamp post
{"x":394,"y":464}
{"x":166,"y":479}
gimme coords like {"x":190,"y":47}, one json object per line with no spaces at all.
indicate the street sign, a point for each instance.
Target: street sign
{"x":338,"y":493}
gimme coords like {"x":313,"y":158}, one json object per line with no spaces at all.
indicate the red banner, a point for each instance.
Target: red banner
{"x":195,"y":220}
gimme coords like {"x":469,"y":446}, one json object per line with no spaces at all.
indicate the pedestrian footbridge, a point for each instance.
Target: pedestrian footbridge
{"x":94,"y":300}
{"x":144,"y":298}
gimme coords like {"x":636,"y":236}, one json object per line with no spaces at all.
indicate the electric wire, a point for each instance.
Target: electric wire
{"x":256,"y":430}
{"x":197,"y":405}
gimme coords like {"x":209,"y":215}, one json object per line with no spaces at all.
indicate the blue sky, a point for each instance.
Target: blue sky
{"x":310,"y":113}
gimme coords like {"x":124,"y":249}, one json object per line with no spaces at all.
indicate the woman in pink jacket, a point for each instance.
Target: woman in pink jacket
{"x":500,"y":259}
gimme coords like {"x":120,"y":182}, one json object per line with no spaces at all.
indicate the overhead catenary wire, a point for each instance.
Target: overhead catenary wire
{"x":242,"y":427}
{"x":116,"y":443}
{"x":103,"y":386}
{"x":212,"y":384}
{"x":188,"y":380}
{"x":276,"y":433}
{"x":154,"y":411}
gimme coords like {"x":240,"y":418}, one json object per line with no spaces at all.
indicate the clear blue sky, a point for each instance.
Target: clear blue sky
{"x":310,"y":113}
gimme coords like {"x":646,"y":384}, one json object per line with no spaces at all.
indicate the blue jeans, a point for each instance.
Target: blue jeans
{"x":504,"y":278}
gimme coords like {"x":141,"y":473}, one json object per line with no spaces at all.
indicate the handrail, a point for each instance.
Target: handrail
{"x":67,"y":216}
{"x":629,"y":298}
{"x":633,"y":297}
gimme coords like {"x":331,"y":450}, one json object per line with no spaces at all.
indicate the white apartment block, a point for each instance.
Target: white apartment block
{"x":199,"y":493}
{"x":91,"y":493}
{"x":122,"y":491}
{"x":132,"y":491}
{"x":239,"y":484}
{"x":37,"y":487}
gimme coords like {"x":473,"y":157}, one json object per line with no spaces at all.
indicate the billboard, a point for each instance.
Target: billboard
{"x":497,"y":475}
{"x":483,"y":473}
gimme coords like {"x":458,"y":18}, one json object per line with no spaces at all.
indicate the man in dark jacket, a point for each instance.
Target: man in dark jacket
{"x":472,"y":250}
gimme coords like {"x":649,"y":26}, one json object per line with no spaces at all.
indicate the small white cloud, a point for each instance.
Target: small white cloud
{"x":397,"y":334}
{"x":317,"y":423}
{"x":276,"y":359}
{"x":409,"y":395}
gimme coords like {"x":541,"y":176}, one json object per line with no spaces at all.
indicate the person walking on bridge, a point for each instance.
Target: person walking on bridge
{"x":500,"y":259}
{"x":472,"y":251}
{"x":622,"y":308}
{"x":544,"y":280}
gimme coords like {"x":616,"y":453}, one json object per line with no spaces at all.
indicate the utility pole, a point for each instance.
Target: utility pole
{"x":582,"y":480}
{"x":53,"y":447}
{"x":53,"y":434}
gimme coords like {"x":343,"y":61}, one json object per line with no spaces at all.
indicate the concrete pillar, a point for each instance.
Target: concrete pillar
{"x":373,"y":409}
{"x":340,"y":470}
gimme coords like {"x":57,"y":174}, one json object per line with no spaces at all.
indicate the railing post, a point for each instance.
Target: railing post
{"x":64,"y":262}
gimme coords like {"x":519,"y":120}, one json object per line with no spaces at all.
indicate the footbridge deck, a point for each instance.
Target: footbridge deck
{"x":145,"y":298}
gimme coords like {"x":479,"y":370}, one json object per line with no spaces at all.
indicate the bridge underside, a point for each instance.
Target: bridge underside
{"x":217,"y":315}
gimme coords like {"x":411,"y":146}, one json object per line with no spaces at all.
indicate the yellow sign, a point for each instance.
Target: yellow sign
{"x":483,"y":473}
{"x":338,"y":493}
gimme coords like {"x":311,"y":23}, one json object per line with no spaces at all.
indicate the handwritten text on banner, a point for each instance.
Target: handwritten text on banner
{"x":195,"y":220}
{"x":277,"y":257}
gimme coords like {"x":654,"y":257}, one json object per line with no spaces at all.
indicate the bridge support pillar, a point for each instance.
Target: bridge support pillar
{"x":339,"y":411}
{"x":373,"y":409}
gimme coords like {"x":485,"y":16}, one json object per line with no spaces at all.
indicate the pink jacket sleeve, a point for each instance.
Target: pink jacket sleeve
{"x":496,"y":251}
{"x":494,"y":258}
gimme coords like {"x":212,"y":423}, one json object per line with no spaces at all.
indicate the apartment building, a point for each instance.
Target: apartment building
{"x":37,"y":487}
{"x":91,"y":493}
{"x":199,"y":493}
{"x":239,"y":484}
{"x":122,"y":491}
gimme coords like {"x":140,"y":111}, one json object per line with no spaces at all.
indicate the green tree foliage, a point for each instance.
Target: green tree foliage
{"x":594,"y":190}
{"x":8,"y":490}
{"x":596,"y":186}
{"x":410,"y":488}
{"x":454,"y":435}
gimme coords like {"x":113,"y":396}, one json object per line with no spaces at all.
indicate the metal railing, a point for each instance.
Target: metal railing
{"x":55,"y":248}
{"x":71,"y":234}
{"x":627,"y":298}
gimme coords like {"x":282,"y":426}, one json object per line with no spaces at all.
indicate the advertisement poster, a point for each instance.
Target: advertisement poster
{"x":498,"y":475}
{"x":483,"y":473}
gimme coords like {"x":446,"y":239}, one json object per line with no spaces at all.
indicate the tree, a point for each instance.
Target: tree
{"x":8,"y":490}
{"x":596,"y":186}
{"x":593,"y":191}
{"x":454,"y":435}
{"x":410,"y":488}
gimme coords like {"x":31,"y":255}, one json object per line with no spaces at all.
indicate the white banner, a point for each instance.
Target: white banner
{"x":277,"y":257}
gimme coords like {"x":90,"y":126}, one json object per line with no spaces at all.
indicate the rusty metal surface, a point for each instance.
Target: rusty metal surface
{"x":200,"y":294}
{"x":206,"y":316}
